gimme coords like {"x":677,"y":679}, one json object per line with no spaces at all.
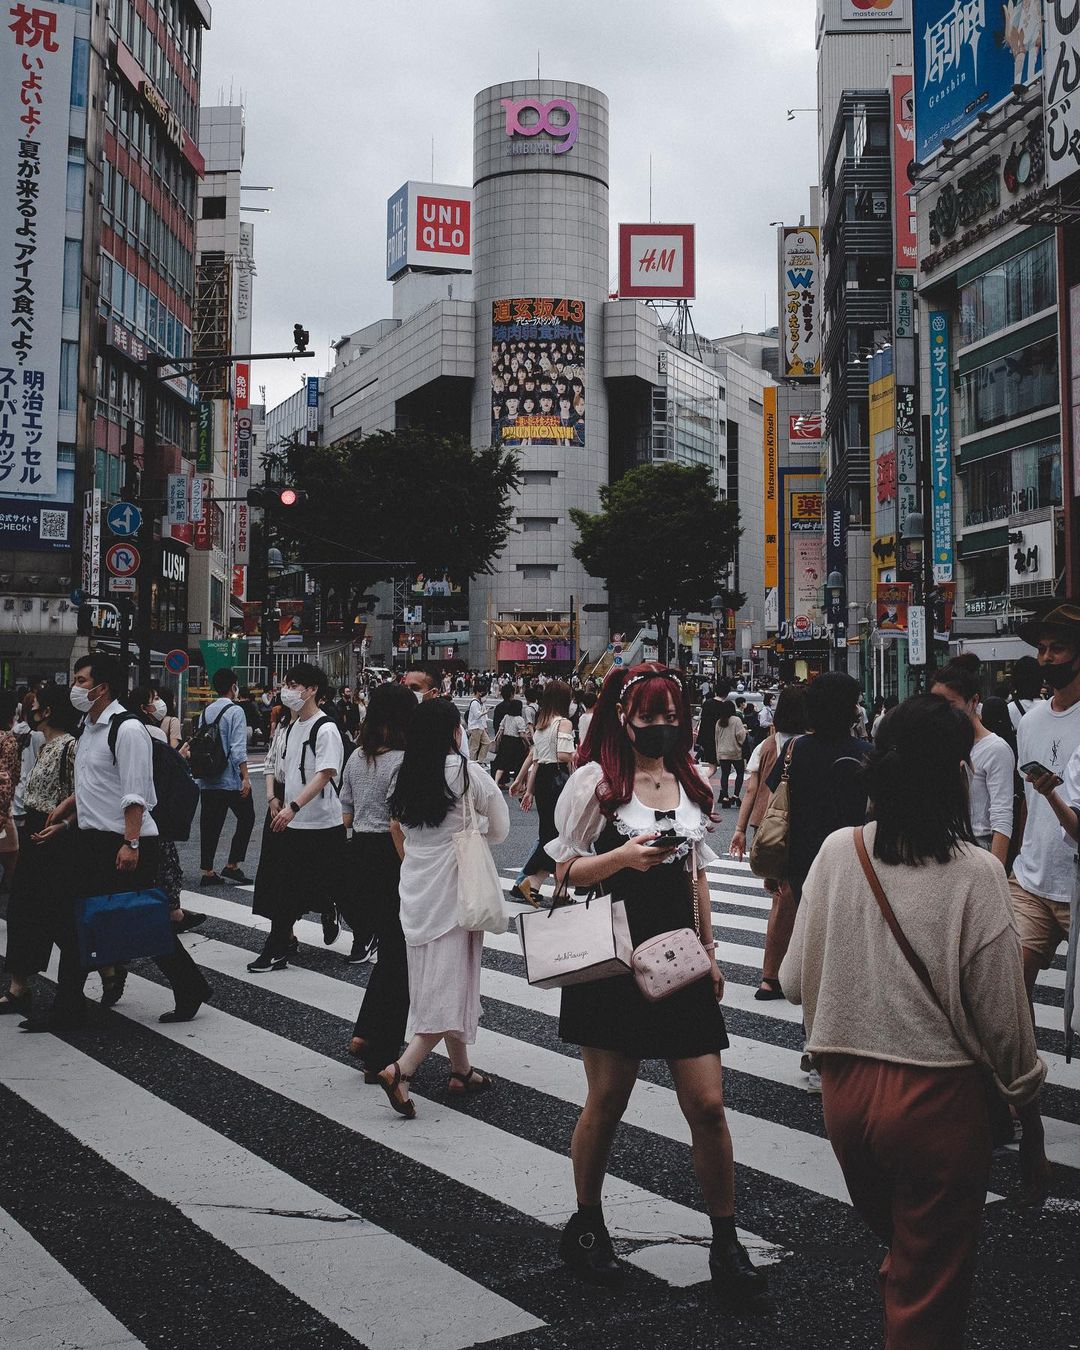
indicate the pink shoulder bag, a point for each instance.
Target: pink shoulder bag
{"x":664,"y":964}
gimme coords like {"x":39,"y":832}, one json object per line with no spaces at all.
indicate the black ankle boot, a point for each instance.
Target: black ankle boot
{"x":586,"y":1248}
{"x":739,"y":1284}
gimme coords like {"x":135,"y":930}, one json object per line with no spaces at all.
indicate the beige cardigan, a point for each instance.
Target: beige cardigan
{"x":862,"y":998}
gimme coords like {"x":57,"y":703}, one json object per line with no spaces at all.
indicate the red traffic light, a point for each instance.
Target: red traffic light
{"x":288,"y":496}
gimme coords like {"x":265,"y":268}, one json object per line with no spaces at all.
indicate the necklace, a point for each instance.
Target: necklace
{"x":654,"y":781}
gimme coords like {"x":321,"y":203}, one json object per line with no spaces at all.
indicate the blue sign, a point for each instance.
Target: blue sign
{"x":941,"y":457}
{"x":43,"y":527}
{"x":397,"y":232}
{"x":836,"y":556}
{"x":123,"y":519}
{"x":313,"y":391}
{"x":968,"y":56}
{"x":176,"y":662}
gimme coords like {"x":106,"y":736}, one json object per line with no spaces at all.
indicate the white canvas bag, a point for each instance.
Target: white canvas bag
{"x":480,"y":893}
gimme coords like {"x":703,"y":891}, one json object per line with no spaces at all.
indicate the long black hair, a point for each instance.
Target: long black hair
{"x":422,"y":795}
{"x":389,"y":712}
{"x":917,"y":784}
{"x":54,"y":700}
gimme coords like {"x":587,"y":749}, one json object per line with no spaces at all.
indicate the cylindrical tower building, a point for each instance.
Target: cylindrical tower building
{"x":540,"y":264}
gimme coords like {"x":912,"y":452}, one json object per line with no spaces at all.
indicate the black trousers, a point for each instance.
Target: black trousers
{"x":374,"y":866}
{"x":96,"y":874}
{"x":549,"y":782}
{"x":216,"y":804}
{"x":309,"y":866}
{"x":726,"y":766}
{"x":41,"y":884}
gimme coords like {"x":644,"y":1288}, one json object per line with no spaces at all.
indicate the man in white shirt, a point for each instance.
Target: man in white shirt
{"x":476,"y":725}
{"x":303,"y":863}
{"x":115,"y":842}
{"x":765,"y":714}
{"x":1042,"y":880}
{"x":228,"y":791}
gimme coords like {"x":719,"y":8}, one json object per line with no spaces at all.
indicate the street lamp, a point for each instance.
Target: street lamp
{"x":718,"y":609}
{"x":834,"y":589}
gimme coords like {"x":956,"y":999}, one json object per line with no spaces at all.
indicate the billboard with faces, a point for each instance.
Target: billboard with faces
{"x":538,"y":372}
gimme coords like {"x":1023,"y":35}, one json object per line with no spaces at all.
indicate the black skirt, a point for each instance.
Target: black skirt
{"x":614,"y":1014}
{"x":42,"y":883}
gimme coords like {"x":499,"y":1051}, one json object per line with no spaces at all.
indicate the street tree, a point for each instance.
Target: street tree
{"x":391,"y":503}
{"x":662,"y":541}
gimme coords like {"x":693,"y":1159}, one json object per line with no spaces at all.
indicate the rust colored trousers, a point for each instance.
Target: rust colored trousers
{"x":914,"y":1147}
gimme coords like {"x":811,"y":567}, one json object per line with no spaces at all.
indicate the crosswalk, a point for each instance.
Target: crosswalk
{"x":250,"y":1138}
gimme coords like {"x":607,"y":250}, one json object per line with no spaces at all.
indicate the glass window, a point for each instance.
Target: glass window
{"x":140,"y":310}
{"x":115,"y":476}
{"x":1036,"y":476}
{"x":118,"y":289}
{"x":1008,"y":294}
{"x":99,"y":470}
{"x":76,"y":183}
{"x":1011,"y":386}
{"x":129,"y":297}
{"x":72,"y":272}
{"x":80,"y":72}
{"x":987,"y":573}
{"x":69,"y":376}
{"x":987,"y":485}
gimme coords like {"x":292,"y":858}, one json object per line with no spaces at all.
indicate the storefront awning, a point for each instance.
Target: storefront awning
{"x":1007,"y":647}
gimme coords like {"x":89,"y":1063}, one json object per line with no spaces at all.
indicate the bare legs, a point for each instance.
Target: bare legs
{"x":778,"y":933}
{"x":422,"y":1045}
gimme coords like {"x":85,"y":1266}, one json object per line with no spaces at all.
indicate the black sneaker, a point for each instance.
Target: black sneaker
{"x":213,"y":879}
{"x":235,"y":876}
{"x":361,"y":952}
{"x":330,"y":927}
{"x":739,"y":1284}
{"x":266,"y":962}
{"x":189,"y":921}
{"x":586,"y":1248}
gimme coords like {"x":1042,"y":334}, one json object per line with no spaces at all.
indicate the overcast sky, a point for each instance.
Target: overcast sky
{"x":342,"y":99}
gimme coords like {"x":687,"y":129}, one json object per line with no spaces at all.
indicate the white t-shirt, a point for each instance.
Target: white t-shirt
{"x":477,"y":716}
{"x":324,"y":811}
{"x":1045,"y":864}
{"x":992,"y":767}
{"x":764,"y":717}
{"x":1016,"y":713}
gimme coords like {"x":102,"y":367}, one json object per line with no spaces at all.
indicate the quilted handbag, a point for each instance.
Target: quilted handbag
{"x":670,"y":961}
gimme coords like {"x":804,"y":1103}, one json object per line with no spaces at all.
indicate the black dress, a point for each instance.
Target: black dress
{"x":614,"y":1014}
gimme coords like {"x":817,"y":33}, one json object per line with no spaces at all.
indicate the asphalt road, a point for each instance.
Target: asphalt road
{"x":231,"y":1183}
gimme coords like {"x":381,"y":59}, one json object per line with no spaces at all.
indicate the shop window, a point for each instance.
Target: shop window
{"x":1010,"y":386}
{"x":1036,"y":476}
{"x":987,"y":485}
{"x":1009,"y":293}
{"x":987,"y":573}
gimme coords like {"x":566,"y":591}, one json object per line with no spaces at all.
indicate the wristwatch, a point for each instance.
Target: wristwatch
{"x":294,"y":808}
{"x":132,"y":844}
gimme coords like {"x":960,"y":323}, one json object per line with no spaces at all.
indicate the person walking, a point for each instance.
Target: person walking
{"x":374,"y":869}
{"x":541,"y":778}
{"x":1043,"y":872}
{"x":730,"y":738}
{"x":789,"y":720}
{"x":511,"y":743}
{"x":706,"y":733}
{"x":163,"y":708}
{"x":42,"y":878}
{"x":223,"y":728}
{"x":115,"y":842}
{"x":1027,"y":685}
{"x":993,"y":765}
{"x":427,"y":807}
{"x":906,"y":963}
{"x":641,"y":777}
{"x":10,"y":771}
{"x":308,"y":864}
{"x":477,"y":725}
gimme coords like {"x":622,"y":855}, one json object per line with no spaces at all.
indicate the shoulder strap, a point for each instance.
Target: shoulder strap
{"x":787,"y":757}
{"x":114,"y":728}
{"x":910,"y":955}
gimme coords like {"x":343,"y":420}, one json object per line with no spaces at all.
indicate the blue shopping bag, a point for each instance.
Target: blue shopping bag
{"x":123,"y":926}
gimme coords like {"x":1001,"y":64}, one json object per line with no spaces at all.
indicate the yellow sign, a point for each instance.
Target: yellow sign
{"x":807,"y":512}
{"x":772,"y":492}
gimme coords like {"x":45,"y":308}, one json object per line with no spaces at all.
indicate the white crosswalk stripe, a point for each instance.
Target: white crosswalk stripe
{"x":304,"y":1241}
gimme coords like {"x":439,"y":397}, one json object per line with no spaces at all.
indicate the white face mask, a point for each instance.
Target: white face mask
{"x":80,"y":698}
{"x":159,"y":709}
{"x":419,"y":695}
{"x":293,"y":699}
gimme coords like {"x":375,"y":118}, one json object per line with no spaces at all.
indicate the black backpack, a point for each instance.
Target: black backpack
{"x":309,"y":744}
{"x":207,"y":755}
{"x":176,"y":791}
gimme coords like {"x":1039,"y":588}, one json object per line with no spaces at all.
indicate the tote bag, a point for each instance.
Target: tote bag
{"x":575,"y":942}
{"x":123,"y":926}
{"x":769,"y":853}
{"x":480,"y":893}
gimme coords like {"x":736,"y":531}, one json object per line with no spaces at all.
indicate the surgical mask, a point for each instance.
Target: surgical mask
{"x":655,"y":742}
{"x":1058,"y":675}
{"x":159,"y":708}
{"x":419,"y":695}
{"x":293,"y":699}
{"x":80,"y":698}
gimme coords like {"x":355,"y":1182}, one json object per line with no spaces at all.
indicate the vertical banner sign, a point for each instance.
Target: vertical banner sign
{"x":204,"y":461}
{"x":36,"y":43}
{"x":239,"y":581}
{"x":177,"y":498}
{"x":538,"y":372}
{"x":203,"y":533}
{"x":91,"y":543}
{"x":800,"y":282}
{"x":242,"y":542}
{"x":243,"y":375}
{"x":1061,"y":82}
{"x":903,"y":148}
{"x":312,"y":409}
{"x":836,"y":554}
{"x":197,"y":507}
{"x":243,"y":446}
{"x":916,"y":636}
{"x":941,"y":467}
{"x":772,"y":491}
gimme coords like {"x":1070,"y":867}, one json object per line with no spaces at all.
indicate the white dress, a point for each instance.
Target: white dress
{"x":444,"y":960}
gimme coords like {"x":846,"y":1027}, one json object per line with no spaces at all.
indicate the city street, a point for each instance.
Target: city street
{"x":232,"y":1182}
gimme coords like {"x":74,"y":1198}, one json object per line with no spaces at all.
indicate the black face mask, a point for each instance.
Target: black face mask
{"x":655,"y":742}
{"x":1058,"y":675}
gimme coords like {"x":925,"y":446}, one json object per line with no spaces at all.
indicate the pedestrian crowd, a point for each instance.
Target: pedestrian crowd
{"x":921,"y":861}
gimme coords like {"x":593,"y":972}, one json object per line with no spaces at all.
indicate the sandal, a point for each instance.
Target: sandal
{"x":472,"y":1080}
{"x":522,"y":892}
{"x":403,"y":1105}
{"x":768,"y":989}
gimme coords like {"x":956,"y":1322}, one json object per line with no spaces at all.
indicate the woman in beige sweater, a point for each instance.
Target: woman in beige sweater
{"x":902,"y":1090}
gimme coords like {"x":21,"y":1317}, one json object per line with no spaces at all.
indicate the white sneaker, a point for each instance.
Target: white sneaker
{"x":813,"y":1082}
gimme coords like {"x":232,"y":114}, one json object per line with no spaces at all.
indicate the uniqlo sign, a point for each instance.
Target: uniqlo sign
{"x":429,"y":225}
{"x":443,"y":225}
{"x":656,"y":262}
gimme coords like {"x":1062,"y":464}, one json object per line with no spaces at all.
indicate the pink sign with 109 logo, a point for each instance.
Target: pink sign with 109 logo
{"x":528,"y":117}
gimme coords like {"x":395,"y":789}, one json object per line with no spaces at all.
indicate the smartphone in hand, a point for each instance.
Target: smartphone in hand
{"x":667,"y":841}
{"x":1033,"y":769}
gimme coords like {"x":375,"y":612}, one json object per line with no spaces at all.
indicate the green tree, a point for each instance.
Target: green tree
{"x":410,"y":497}
{"x":662,"y":541}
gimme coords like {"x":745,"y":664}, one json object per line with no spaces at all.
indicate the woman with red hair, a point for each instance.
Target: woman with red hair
{"x":637,"y":782}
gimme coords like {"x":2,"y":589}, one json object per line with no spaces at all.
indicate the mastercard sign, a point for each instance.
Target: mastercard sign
{"x":873,"y":10}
